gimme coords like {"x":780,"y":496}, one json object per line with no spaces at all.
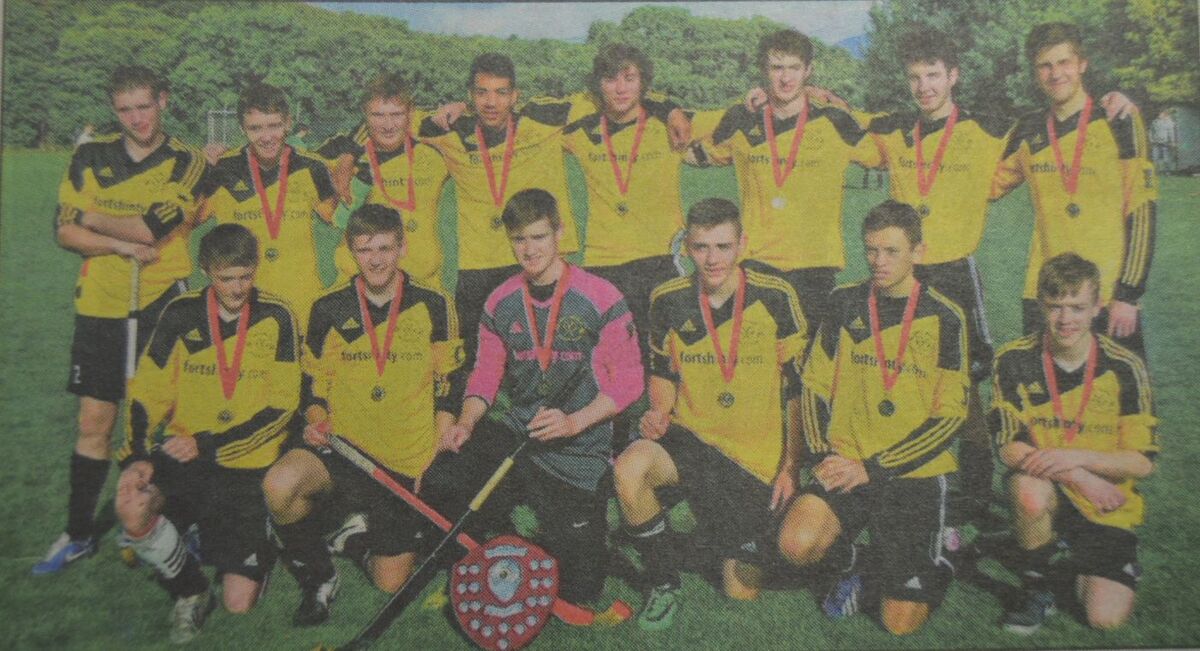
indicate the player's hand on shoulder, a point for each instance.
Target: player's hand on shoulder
{"x":654,"y":424}
{"x":317,"y":434}
{"x":826,"y":97}
{"x":448,"y":114}
{"x":549,"y":424}
{"x":1122,"y":319}
{"x":181,"y":448}
{"x":756,"y":98}
{"x":1117,"y":106}
{"x":214,"y":150}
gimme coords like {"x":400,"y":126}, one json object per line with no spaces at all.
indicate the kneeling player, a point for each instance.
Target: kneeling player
{"x":884,"y":394}
{"x":713,"y":427}
{"x":562,"y":343}
{"x":378,"y":353}
{"x":1073,"y":420}
{"x":221,"y":379}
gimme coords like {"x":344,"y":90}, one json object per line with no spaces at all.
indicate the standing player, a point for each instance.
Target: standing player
{"x":121,"y":203}
{"x":274,"y":190}
{"x":378,"y":354}
{"x":884,"y":393}
{"x":723,"y":341}
{"x":791,"y":162}
{"x":562,"y":342}
{"x":220,"y":380}
{"x":1073,"y":418}
{"x":382,"y":165}
{"x":492,"y":155}
{"x":1092,"y":186}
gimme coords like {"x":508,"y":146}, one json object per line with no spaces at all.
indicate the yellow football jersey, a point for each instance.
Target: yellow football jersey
{"x":797,"y":224}
{"x":390,"y":416}
{"x":1109,"y":219}
{"x":905,"y":432}
{"x":536,"y":161}
{"x":178,"y":384}
{"x":288,"y":260}
{"x":744,"y":416}
{"x":101,"y":178}
{"x":1118,"y":415}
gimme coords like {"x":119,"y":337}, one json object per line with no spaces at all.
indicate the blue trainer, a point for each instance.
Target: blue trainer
{"x":842,"y":599}
{"x":62,"y":553}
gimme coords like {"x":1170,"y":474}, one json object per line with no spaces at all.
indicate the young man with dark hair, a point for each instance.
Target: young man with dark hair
{"x":884,"y":394}
{"x":790,"y":159}
{"x":562,"y":342}
{"x":381,"y":164}
{"x":724,"y":339}
{"x":1092,"y":185}
{"x":274,"y":190}
{"x":378,"y":356}
{"x":1073,"y":419}
{"x":208,"y":408}
{"x":123,"y":205}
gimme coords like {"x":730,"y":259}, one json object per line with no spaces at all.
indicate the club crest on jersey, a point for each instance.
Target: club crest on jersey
{"x":571,"y":328}
{"x":515,"y":328}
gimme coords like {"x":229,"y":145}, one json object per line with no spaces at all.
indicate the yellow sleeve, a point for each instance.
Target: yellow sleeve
{"x":152,"y":394}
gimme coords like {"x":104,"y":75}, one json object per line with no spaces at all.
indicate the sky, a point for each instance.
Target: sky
{"x":829,"y":21}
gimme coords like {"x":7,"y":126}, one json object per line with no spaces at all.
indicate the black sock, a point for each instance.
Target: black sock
{"x":190,"y":580}
{"x":304,"y":552}
{"x":652,"y":540}
{"x":87,"y":480}
{"x":1034,"y":567}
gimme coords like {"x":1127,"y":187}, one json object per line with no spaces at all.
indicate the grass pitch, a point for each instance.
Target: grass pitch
{"x":99,"y":604}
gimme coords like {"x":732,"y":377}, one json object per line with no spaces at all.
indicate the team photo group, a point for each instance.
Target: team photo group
{"x":851,"y":443}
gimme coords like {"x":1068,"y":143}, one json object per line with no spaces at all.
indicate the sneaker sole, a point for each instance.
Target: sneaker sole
{"x":1030,"y":629}
{"x":44,"y":569}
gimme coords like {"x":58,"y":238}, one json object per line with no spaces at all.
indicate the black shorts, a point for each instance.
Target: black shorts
{"x":98,"y":349}
{"x":731,"y":506}
{"x":470,"y":295}
{"x":393,"y":527}
{"x":636,"y":280}
{"x":1032,"y":321}
{"x":1097,"y":549}
{"x":906,"y":520}
{"x":959,"y":281}
{"x":227,"y":505}
{"x":812,"y":286}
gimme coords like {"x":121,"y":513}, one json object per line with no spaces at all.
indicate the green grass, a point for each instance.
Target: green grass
{"x":102,"y":605}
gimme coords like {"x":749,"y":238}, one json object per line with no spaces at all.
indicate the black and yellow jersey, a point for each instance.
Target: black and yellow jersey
{"x":389,"y":415}
{"x":957,"y":201}
{"x":536,"y":162}
{"x":743,"y":417}
{"x":1119,"y":413}
{"x":1110,"y":217}
{"x":159,"y":189}
{"x":288,"y":266}
{"x":178,"y":385}
{"x":797,"y":225}
{"x":905,"y":432}
{"x":641,"y":221}
{"x":428,"y":172}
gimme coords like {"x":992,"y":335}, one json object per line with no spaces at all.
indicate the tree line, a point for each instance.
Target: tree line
{"x":58,"y":53}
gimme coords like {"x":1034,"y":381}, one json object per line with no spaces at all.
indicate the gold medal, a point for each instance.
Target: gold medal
{"x":886,"y":407}
{"x":923,"y":210}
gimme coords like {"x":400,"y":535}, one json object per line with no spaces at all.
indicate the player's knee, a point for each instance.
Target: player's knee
{"x":801,"y":545}
{"x":741,"y":581}
{"x":903,"y":617}
{"x":1032,"y":497}
{"x":630,"y":470}
{"x":280,"y":487}
{"x":1106,"y":621}
{"x":239,"y":604}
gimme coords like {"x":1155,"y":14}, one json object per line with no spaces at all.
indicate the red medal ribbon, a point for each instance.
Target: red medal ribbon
{"x":623,"y":183}
{"x":728,"y":365}
{"x":545,"y":353}
{"x":1052,"y":384}
{"x":1070,"y":179}
{"x":510,"y":139}
{"x":274,"y":218}
{"x":381,"y":357}
{"x":769,"y":125}
{"x":229,"y":374}
{"x":925,"y":182}
{"x":910,"y":309}
{"x":377,"y":176}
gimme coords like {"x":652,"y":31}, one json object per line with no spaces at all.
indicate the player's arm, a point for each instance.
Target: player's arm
{"x":712,"y":131}
{"x":265,"y":425}
{"x":175,"y":203}
{"x":327,"y":196}
{"x":153,"y":389}
{"x":74,"y":199}
{"x":663,"y":382}
{"x":484,"y":383}
{"x":318,"y":356}
{"x":1010,"y":170}
{"x":1140,"y":194}
{"x":448,"y":356}
{"x":617,"y":367}
{"x":816,"y":392}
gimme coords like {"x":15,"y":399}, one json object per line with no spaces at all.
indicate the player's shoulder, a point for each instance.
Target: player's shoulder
{"x":768,"y":284}
{"x":431,"y":129}
{"x":511,"y":286}
{"x":846,"y":126}
{"x":186,"y":308}
{"x":599,"y":291}
{"x":335,"y":295}
{"x":892,"y":122}
{"x":675,"y":289}
{"x":547,"y":110}
{"x":943,"y":306}
{"x":850,"y":292}
{"x":184,"y":149}
{"x":995,"y":126}
{"x":432,"y":297}
{"x":1124,"y":362}
{"x":1019,"y":352}
{"x":271,"y":306}
{"x":101,"y":148}
{"x":303,"y":159}
{"x":588,"y":124}
{"x":1127,"y":132}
